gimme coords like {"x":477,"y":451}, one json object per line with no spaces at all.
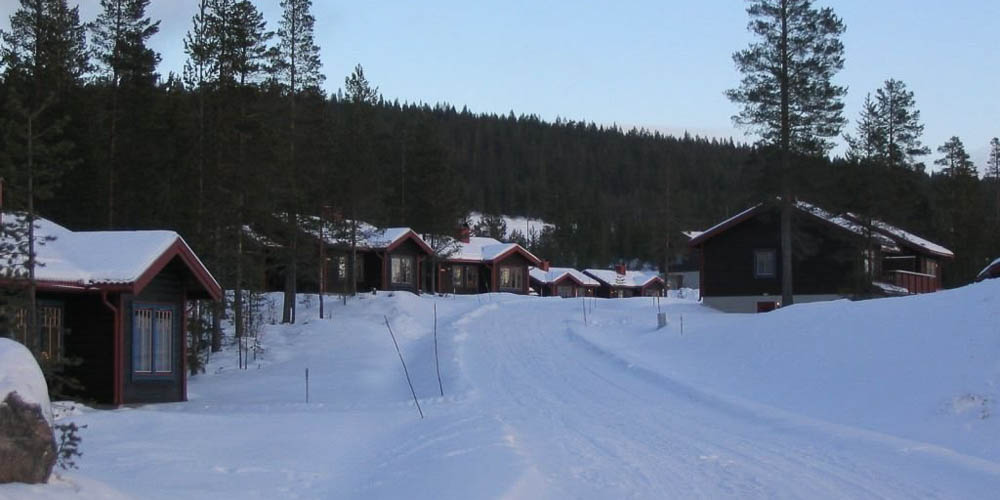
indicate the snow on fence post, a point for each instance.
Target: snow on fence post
{"x":437,"y":364}
{"x":405,"y":371}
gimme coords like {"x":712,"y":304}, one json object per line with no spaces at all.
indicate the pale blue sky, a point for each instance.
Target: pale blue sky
{"x":657,"y":64}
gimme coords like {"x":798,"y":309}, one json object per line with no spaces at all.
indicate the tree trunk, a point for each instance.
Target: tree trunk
{"x":787,"y":292}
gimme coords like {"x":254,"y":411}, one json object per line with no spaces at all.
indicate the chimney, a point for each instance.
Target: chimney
{"x":544,"y":266}
{"x":620,"y":269}
{"x":463,"y":233}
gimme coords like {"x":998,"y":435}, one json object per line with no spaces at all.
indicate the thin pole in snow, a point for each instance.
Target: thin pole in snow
{"x":437,"y":364}
{"x":405,"y":371}
{"x":584,"y":304}
{"x":307,"y":385}
{"x":682,"y":324}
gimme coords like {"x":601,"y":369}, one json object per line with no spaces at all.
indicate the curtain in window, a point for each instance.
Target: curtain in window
{"x":164,"y":340}
{"x":143,"y":338}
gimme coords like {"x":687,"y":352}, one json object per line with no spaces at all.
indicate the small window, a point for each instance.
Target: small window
{"x":930,"y":267}
{"x":457,"y":278}
{"x":511,"y":278}
{"x":403,"y":270}
{"x":472,"y":277}
{"x":566,"y":291}
{"x":152,"y":339}
{"x":764,"y":263}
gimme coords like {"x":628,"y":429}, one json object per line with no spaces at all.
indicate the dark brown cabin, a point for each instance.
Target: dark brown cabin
{"x":116,"y":301}
{"x":481,"y":265}
{"x":740,"y":259}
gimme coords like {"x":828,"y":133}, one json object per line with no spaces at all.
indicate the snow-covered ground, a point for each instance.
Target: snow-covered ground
{"x":888,"y":398}
{"x":524,"y":225}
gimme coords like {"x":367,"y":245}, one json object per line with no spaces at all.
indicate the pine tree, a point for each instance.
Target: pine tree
{"x":296,"y":67}
{"x":44,"y":58}
{"x":119,"y":36}
{"x":993,"y":161}
{"x":787,"y":92}
{"x":900,"y":125}
{"x":955,"y":161}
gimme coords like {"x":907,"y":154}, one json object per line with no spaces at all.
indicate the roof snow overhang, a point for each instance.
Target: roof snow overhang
{"x":410,"y":235}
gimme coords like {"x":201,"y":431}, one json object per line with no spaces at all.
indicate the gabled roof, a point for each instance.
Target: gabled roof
{"x":555,"y":274}
{"x":106,"y":259}
{"x":887,"y":240}
{"x":482,"y":249}
{"x":631,"y":279}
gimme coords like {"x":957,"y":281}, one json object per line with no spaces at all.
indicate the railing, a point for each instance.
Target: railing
{"x":915,"y":282}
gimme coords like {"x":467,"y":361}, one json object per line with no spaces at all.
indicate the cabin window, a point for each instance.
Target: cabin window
{"x":511,"y":278}
{"x":764,"y":263}
{"x":565,"y":291}
{"x":48,"y":343}
{"x":403,"y":270}
{"x":457,"y":278}
{"x":930,"y":267}
{"x":152,"y":339}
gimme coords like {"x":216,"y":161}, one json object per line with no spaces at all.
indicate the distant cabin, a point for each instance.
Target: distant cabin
{"x":622,"y":283}
{"x":834,"y":256}
{"x":476,"y":264}
{"x":990,"y":271}
{"x":561,"y":282}
{"x":386,"y":258}
{"x":115,"y":300}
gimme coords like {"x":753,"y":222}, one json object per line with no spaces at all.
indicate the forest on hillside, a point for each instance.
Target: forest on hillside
{"x":96,"y":137}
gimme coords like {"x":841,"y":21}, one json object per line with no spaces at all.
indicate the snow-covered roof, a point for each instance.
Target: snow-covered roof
{"x":847,"y":223}
{"x":631,"y":279}
{"x":890,"y":288}
{"x":483,"y":249}
{"x":94,"y":257}
{"x":368,"y":235}
{"x":910,"y":239}
{"x":990,"y":271}
{"x":555,"y":274}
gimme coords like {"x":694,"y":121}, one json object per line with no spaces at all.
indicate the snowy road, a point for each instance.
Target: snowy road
{"x":589,"y":425}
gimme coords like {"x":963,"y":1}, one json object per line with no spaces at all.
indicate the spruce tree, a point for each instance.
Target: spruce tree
{"x":787,"y":92}
{"x":119,"y":36}
{"x":358,"y":176}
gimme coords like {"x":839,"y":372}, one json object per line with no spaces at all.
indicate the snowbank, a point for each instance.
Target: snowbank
{"x":20,"y":373}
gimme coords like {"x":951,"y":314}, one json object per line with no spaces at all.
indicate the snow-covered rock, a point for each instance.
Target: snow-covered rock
{"x":27,"y":445}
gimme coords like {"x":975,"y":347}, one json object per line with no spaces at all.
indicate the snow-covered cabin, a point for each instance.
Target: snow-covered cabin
{"x":561,"y":281}
{"x":475,"y":264}
{"x":390,"y":258}
{"x":115,"y":300}
{"x":622,"y":283}
{"x":835,"y":256}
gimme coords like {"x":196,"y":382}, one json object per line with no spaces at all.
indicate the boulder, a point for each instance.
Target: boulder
{"x":27,"y":445}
